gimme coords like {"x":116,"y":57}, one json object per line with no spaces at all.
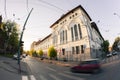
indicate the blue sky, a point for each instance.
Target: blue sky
{"x":46,"y":13}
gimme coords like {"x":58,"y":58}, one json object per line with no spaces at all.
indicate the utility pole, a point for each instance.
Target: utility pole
{"x":21,"y":40}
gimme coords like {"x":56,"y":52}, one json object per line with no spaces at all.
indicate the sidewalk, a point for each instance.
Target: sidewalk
{"x":12,"y":66}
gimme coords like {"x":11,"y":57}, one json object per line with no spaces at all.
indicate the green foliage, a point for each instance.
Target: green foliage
{"x":9,"y":35}
{"x":27,"y":52}
{"x":31,"y":51}
{"x":115,"y":44}
{"x":52,"y":53}
{"x":34,"y":54}
{"x":40,"y":53}
{"x":105,"y":47}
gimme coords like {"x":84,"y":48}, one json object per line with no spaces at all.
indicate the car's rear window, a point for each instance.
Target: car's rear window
{"x":89,"y":62}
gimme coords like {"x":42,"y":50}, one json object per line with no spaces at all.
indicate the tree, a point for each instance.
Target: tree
{"x":9,"y":35}
{"x":27,"y":52}
{"x":105,"y":47}
{"x":115,"y":44}
{"x":52,"y":53}
{"x":34,"y":54}
{"x":11,"y":31}
{"x":40,"y":53}
{"x":31,"y":51}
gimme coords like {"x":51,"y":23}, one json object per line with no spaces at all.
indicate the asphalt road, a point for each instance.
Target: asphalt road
{"x":47,"y":71}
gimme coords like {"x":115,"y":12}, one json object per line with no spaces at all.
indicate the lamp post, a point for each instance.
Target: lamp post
{"x":21,"y":39}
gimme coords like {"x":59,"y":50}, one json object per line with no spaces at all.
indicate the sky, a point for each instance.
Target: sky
{"x":46,"y":12}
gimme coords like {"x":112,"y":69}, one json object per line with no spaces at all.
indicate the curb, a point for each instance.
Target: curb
{"x":55,"y":62}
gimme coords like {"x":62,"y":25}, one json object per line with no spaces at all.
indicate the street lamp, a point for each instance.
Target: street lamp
{"x":21,"y":39}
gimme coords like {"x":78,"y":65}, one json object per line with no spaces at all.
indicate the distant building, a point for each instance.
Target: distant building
{"x":74,"y":36}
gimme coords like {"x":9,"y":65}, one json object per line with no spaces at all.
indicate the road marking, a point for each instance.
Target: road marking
{"x":24,"y":77}
{"x":42,"y":77}
{"x":71,"y":77}
{"x":51,"y":69}
{"x":54,"y":77}
{"x":32,"y":77}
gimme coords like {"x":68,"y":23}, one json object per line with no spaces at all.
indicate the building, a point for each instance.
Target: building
{"x":43,"y":44}
{"x":74,"y":36}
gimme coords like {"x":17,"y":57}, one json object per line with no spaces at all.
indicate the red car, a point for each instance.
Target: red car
{"x":90,"y":65}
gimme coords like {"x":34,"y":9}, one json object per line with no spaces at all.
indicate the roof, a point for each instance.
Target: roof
{"x":46,"y":37}
{"x":69,"y":13}
{"x":39,"y":41}
{"x":93,"y":25}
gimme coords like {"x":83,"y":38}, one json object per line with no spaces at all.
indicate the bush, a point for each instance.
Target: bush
{"x":40,"y":53}
{"x":34,"y":54}
{"x":52,"y":53}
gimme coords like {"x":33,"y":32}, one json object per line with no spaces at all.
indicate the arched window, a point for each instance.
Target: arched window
{"x":63,"y":36}
{"x":76,"y":32}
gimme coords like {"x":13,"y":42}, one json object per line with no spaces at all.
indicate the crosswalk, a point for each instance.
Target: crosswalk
{"x":27,"y":77}
{"x":53,"y":75}
{"x":56,"y":76}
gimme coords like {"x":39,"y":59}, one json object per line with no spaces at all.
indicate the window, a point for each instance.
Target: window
{"x":76,"y":14}
{"x":66,"y":35}
{"x":80,"y":32}
{"x":63,"y":51}
{"x":82,"y":49}
{"x":72,"y":15}
{"x":72,"y":33}
{"x":60,"y":37}
{"x":76,"y":32}
{"x":63,"y":36}
{"x":77,"y":50}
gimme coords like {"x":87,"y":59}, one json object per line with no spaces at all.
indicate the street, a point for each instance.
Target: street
{"x":33,"y":69}
{"x":48,"y":71}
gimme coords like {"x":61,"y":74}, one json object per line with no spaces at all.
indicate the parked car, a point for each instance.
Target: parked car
{"x":15,"y":56}
{"x":109,"y":54}
{"x":24,"y":55}
{"x":114,"y":53}
{"x":89,"y":65}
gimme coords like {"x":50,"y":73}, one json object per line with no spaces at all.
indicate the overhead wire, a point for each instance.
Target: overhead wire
{"x":105,"y":30}
{"x":5,"y":9}
{"x":51,"y":5}
{"x":27,"y":6}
